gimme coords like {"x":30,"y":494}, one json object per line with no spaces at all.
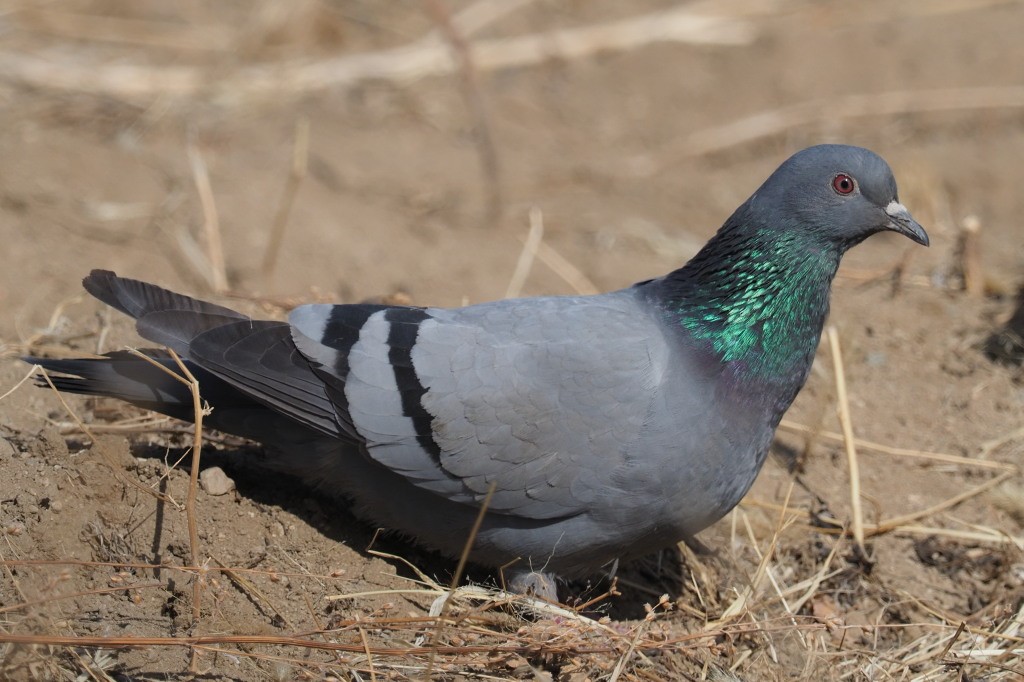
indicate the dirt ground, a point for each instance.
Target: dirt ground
{"x":631,"y":154}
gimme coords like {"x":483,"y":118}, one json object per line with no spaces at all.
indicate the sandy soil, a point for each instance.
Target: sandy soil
{"x":613,"y":148}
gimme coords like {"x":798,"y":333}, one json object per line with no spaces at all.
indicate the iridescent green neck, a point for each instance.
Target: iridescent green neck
{"x":758,"y":299}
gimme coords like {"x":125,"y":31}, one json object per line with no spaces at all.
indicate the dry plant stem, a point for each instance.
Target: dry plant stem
{"x":950,"y":621}
{"x":369,"y":654}
{"x":200,"y":569}
{"x":319,"y":626}
{"x":189,"y":380}
{"x":458,"y":576}
{"x":527,"y":255}
{"x":111,"y":29}
{"x":621,"y":663}
{"x":778,"y":121}
{"x":474,"y":98}
{"x":989,"y":446}
{"x":952,"y":640}
{"x":31,"y":372}
{"x":869,"y":276}
{"x":25,"y":604}
{"x":257,"y":595}
{"x":970,"y":256}
{"x":903,"y":522}
{"x":561,"y":266}
{"x":67,"y":428}
{"x":7,"y":563}
{"x":902,"y":452}
{"x":134,"y":82}
{"x":31,"y":342}
{"x":423,"y":577}
{"x":296,"y":174}
{"x":738,"y":604}
{"x":211,"y":222}
{"x":480,"y":14}
{"x":964,"y":535}
{"x":903,"y":528}
{"x":208,"y":640}
{"x":610,"y":592}
{"x":848,"y":440}
{"x":88,"y":669}
{"x":894,"y":523}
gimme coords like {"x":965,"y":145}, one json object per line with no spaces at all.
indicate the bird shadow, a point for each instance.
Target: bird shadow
{"x":635,"y":584}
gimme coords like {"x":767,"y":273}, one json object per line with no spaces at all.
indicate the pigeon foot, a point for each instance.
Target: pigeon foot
{"x":534,"y":584}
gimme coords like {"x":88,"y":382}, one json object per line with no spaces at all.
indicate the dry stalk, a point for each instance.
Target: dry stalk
{"x":474,"y":98}
{"x":903,"y":452}
{"x":964,"y":535}
{"x":479,"y":15}
{"x":319,"y":626}
{"x":196,"y":569}
{"x":13,"y":578}
{"x":217,"y":276}
{"x":369,"y":654}
{"x":119,"y":30}
{"x":900,"y":525}
{"x":296,"y":174}
{"x":848,"y":440}
{"x":29,"y":375}
{"x":198,"y":410}
{"x":970,"y":256}
{"x":527,"y":255}
{"x":132,"y":81}
{"x":26,"y":604}
{"x":457,"y":576}
{"x":561,"y":266}
{"x":893,"y":273}
{"x":777,"y":121}
{"x":638,"y":632}
{"x":990,"y":446}
{"x":190,"y":501}
{"x":255,"y":593}
{"x":896,"y":522}
{"x":739,"y":604}
{"x":285,"y":640}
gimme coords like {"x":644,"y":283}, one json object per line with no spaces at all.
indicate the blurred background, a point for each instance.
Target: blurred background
{"x":266,"y":152}
{"x":427,"y":130}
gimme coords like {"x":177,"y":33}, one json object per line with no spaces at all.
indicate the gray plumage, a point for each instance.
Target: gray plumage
{"x":608,"y":426}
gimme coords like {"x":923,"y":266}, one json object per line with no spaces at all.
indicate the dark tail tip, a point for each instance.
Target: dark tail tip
{"x":102,"y":284}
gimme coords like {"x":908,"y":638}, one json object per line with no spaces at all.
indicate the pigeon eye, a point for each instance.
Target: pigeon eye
{"x":843,"y":184}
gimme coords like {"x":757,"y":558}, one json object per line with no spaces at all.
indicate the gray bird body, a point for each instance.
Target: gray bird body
{"x":607,"y":426}
{"x":563,"y":424}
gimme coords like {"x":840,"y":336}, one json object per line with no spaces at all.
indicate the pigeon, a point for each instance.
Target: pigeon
{"x":576,"y":430}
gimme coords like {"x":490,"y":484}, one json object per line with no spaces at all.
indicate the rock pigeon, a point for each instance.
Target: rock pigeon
{"x":596,"y":427}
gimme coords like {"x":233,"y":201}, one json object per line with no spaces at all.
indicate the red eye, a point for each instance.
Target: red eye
{"x":843,"y":184}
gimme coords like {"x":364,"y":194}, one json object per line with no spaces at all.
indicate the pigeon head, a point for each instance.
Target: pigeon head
{"x":840,"y":193}
{"x":757,"y":294}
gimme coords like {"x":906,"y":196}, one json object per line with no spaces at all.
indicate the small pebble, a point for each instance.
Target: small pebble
{"x":215,"y":482}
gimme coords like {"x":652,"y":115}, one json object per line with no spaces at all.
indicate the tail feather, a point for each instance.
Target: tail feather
{"x":155,"y":309}
{"x":239,"y":362}
{"x":126,"y":377}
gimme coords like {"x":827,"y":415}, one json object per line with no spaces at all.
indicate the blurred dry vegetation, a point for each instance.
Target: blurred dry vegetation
{"x":266,"y":153}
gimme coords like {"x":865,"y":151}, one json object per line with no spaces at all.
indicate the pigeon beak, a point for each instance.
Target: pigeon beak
{"x":901,"y":221}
